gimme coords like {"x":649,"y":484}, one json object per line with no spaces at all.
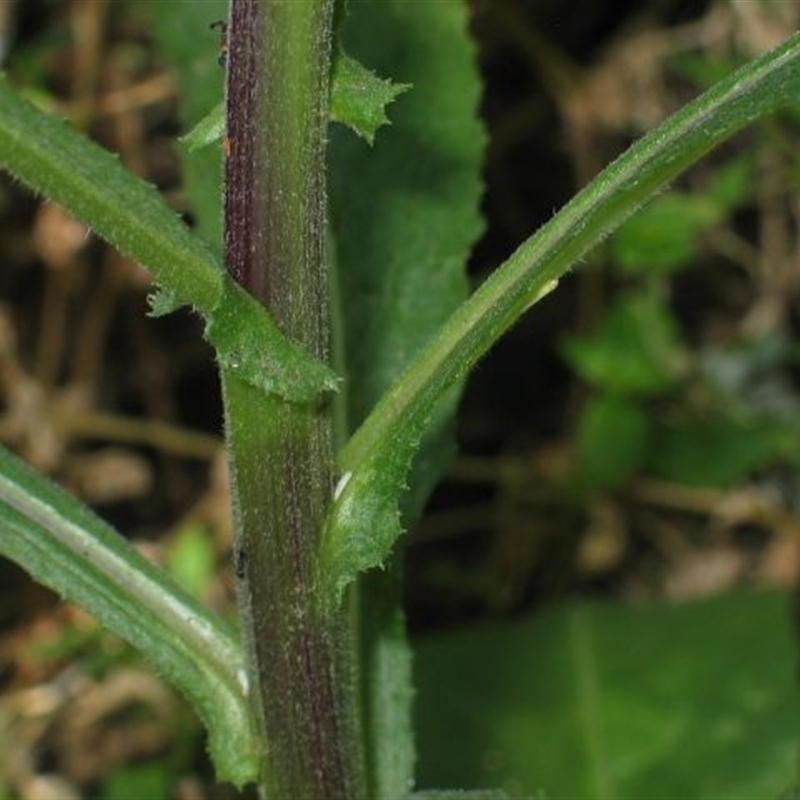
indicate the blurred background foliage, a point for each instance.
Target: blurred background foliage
{"x":601,"y":586}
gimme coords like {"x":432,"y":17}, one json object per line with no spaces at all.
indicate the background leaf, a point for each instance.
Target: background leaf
{"x":184,"y":37}
{"x":405,"y":213}
{"x":592,"y":701}
{"x":664,"y":236}
{"x":404,"y":219}
{"x":636,"y":349}
{"x":404,"y":216}
{"x":612,"y":440}
{"x":720,"y":450}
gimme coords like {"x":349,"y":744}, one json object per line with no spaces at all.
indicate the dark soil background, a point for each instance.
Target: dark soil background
{"x":126,"y":412}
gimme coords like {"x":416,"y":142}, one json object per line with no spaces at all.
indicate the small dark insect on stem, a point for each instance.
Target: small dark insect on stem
{"x":240,"y":562}
{"x":222,"y":26}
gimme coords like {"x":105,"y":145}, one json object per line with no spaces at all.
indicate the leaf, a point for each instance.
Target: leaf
{"x":161,"y":302}
{"x":612,"y":441}
{"x":209,"y":130}
{"x":458,"y":794}
{"x":141,"y":780}
{"x":663,"y":237}
{"x":359,"y":97}
{"x":191,"y":558}
{"x":720,"y":450}
{"x":187,"y":43}
{"x":635,"y":351}
{"x":603,"y":702}
{"x":385,"y":669}
{"x":66,"y":547}
{"x":251,"y":346}
{"x":389,"y":434}
{"x":732,"y":184}
{"x":702,"y":69}
{"x":404,"y":219}
{"x":56,"y":161}
{"x":404,"y":216}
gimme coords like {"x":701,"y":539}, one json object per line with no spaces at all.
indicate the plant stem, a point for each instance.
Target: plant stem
{"x":302,"y":663}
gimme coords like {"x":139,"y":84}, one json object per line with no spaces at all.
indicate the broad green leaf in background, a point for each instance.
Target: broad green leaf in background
{"x":664,"y":236}
{"x":720,"y":450}
{"x":612,"y":441}
{"x":143,"y":780}
{"x":404,"y":215}
{"x":731,"y":184}
{"x":703,"y":70}
{"x":636,"y":349}
{"x":602,"y":702}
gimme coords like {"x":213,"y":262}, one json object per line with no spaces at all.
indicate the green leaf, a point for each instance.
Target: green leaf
{"x":664,"y":236}
{"x":141,"y":780}
{"x":250,"y":345}
{"x":191,"y":559}
{"x":603,"y":702}
{"x":719,"y":450}
{"x":161,"y":302}
{"x":704,"y":70}
{"x":613,"y":436}
{"x":359,"y":97}
{"x":732,"y":184}
{"x":635,"y":351}
{"x":209,"y":130}
{"x":385,"y":663}
{"x":459,"y":794}
{"x":92,"y":185}
{"x":64,"y":546}
{"x":404,"y":217}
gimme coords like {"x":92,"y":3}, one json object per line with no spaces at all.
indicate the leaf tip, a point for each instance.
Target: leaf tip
{"x":359,"y":97}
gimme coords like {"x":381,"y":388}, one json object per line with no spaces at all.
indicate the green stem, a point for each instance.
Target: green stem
{"x":302,"y":661}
